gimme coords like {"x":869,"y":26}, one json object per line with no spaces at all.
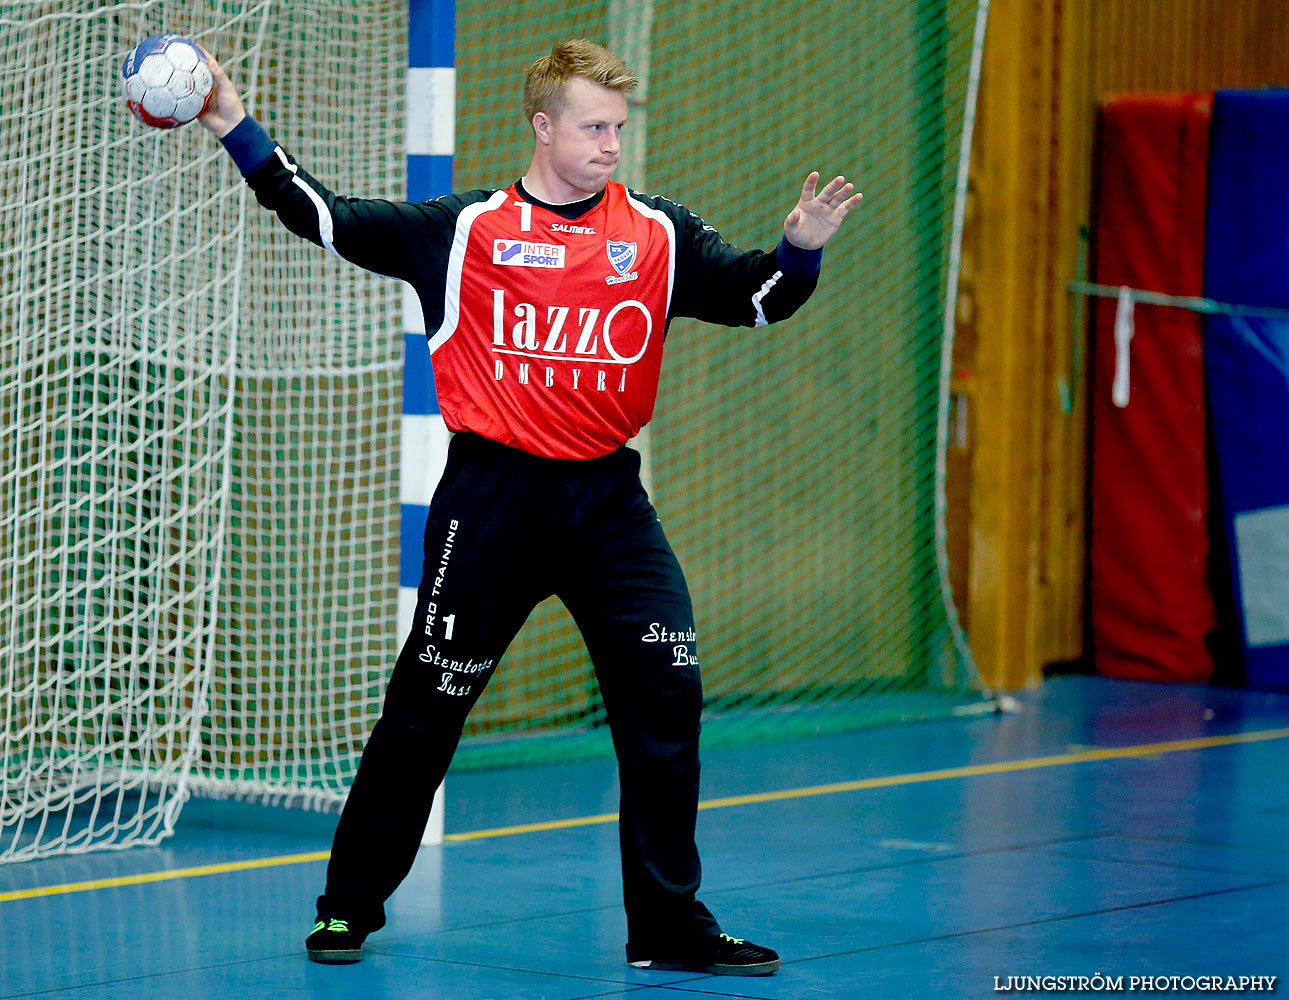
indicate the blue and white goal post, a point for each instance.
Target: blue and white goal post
{"x":431,"y":138}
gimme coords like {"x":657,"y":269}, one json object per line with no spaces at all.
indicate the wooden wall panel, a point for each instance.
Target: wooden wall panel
{"x":1047,"y":63}
{"x":1008,"y":174}
{"x":1187,"y":44}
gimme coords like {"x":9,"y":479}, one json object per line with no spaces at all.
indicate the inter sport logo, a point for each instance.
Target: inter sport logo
{"x":517,"y":253}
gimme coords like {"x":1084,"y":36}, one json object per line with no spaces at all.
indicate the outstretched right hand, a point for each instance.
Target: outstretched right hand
{"x":225,"y":109}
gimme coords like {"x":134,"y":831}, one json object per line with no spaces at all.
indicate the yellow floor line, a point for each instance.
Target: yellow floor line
{"x":164,"y":876}
{"x":889,"y":781}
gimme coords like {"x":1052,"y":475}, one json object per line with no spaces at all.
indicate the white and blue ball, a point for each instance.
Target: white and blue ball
{"x":167,"y":81}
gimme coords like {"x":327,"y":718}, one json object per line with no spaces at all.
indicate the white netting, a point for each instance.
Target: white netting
{"x":198,"y":442}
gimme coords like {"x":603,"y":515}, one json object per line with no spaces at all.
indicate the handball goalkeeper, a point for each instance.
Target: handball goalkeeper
{"x":546,"y":305}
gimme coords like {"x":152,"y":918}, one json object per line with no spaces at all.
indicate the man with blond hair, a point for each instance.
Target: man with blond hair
{"x":546,"y":305}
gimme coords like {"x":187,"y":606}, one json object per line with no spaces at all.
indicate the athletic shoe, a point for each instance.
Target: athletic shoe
{"x":333,"y":943}
{"x":719,"y":956}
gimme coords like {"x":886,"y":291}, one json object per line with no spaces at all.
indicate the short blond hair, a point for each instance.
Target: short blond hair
{"x":544,"y":88}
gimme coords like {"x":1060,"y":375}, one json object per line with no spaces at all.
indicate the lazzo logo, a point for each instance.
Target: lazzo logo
{"x":518,"y":253}
{"x":614,"y":336}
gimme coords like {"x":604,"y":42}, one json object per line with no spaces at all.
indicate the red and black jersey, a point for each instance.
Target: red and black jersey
{"x":546,"y":323}
{"x":552,"y":330}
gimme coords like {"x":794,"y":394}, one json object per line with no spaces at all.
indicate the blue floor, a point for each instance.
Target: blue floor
{"x":1173,"y":863}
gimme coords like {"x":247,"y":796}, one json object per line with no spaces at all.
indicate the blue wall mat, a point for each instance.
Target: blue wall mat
{"x":1246,"y":362}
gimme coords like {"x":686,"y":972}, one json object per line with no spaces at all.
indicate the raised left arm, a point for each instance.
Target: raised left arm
{"x":818,"y":214}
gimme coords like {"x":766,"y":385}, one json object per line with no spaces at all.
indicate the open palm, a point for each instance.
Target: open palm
{"x":818,"y":215}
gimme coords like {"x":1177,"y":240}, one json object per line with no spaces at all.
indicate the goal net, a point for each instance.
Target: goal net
{"x":198,"y":467}
{"x":199,"y":413}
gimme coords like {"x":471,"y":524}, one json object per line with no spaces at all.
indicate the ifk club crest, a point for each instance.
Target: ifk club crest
{"x":621,"y":255}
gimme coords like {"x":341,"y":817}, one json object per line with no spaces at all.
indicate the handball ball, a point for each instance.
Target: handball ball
{"x":167,"y":81}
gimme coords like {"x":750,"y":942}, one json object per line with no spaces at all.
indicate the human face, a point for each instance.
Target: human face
{"x":581,"y":147}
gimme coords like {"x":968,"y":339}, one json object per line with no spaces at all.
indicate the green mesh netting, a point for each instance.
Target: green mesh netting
{"x":794,"y":466}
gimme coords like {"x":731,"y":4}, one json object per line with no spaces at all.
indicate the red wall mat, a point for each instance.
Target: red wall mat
{"x":1150,"y":603}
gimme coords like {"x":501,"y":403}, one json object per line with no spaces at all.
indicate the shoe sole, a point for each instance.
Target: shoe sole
{"x":336,"y":956}
{"x":759,"y":969}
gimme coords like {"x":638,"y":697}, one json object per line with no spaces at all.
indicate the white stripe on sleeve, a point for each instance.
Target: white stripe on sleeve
{"x":326,"y":225}
{"x":456,"y":260}
{"x":756,"y":299}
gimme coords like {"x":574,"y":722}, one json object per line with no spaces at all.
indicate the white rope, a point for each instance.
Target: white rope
{"x":1123,"y":331}
{"x":959,"y":636}
{"x":1209,"y":307}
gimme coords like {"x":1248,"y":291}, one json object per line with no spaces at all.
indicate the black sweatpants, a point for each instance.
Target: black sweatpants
{"x":505,"y":531}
